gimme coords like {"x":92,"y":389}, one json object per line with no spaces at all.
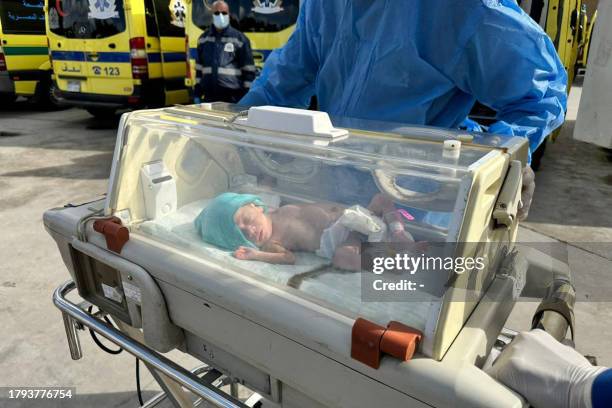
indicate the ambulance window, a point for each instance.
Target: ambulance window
{"x":22,"y":16}
{"x":251,"y":16}
{"x":170,"y":17}
{"x":86,"y":19}
{"x":150,"y":20}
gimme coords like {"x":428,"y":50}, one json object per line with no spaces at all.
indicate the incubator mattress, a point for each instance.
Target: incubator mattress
{"x":311,"y":275}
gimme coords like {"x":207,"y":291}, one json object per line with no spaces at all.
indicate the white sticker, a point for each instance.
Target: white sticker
{"x":53,"y":19}
{"x":267,"y":6}
{"x":229,"y":47}
{"x":178,"y":12}
{"x":132,"y":292}
{"x":102,"y":9}
{"x":112,"y":293}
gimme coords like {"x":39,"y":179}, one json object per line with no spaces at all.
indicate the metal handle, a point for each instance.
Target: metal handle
{"x":155,"y":360}
{"x":73,"y":337}
{"x":555,"y":314}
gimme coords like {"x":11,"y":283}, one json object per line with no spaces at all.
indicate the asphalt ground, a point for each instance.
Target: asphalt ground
{"x":49,"y":159}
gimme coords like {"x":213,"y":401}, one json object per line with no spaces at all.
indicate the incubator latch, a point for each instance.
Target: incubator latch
{"x":115,"y":234}
{"x":369,"y":340}
{"x":507,"y":203}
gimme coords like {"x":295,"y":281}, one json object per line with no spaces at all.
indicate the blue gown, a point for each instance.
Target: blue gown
{"x":419,"y":62}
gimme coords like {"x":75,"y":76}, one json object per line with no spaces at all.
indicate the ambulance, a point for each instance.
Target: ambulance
{"x":111,"y":55}
{"x":267,"y":23}
{"x":24,"y":60}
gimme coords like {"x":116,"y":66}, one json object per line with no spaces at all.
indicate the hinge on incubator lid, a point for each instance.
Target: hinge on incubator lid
{"x":369,"y":340}
{"x":296,"y":121}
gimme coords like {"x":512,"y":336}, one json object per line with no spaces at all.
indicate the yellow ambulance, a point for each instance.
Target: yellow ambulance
{"x":584,"y":56}
{"x":24,"y":58}
{"x":267,"y":23}
{"x":109,"y":55}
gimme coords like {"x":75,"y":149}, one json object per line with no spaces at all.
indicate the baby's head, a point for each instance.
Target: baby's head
{"x":232,"y":220}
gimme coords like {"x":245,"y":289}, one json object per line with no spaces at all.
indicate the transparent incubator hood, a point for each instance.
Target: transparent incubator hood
{"x":294,"y":176}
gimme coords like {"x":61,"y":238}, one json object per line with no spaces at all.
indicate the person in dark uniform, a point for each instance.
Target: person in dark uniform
{"x":224,"y":61}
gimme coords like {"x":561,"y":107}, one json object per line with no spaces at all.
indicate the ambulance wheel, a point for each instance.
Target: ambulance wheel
{"x":6,"y":98}
{"x":102,"y":113}
{"x":46,"y":96}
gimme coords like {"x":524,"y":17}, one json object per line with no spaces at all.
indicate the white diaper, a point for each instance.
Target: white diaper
{"x":355,"y":218}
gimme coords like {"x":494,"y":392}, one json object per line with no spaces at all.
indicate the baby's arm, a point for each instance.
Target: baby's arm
{"x":271,"y":253}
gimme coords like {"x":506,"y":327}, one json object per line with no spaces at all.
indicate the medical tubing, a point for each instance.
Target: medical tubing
{"x":97,"y":341}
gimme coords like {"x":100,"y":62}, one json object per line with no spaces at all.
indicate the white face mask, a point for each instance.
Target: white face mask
{"x":221,"y":21}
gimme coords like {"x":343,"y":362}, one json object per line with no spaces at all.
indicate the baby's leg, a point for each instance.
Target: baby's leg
{"x":348,"y":255}
{"x":381,"y":205}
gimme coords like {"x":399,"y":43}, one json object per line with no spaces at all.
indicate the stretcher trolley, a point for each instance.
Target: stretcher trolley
{"x":307,"y":334}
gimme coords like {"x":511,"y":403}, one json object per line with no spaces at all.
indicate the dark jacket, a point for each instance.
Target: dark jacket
{"x":224,"y":65}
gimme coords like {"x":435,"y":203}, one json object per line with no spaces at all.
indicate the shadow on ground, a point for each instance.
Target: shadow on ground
{"x":574,"y":184}
{"x":94,"y":167}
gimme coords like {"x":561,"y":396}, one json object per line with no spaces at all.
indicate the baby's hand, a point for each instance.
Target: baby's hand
{"x":246,"y":253}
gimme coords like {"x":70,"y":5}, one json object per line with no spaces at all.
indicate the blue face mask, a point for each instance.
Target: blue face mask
{"x":221,"y":21}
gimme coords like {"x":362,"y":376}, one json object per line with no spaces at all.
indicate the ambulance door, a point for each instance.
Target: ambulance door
{"x":108,"y":48}
{"x":67,"y":47}
{"x":170,"y":17}
{"x":154,"y":49}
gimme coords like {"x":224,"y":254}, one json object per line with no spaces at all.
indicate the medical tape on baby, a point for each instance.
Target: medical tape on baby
{"x":360,"y":219}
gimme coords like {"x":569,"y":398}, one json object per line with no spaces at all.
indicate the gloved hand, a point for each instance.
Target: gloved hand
{"x":197,"y":100}
{"x":546,"y":372}
{"x":527,"y":190}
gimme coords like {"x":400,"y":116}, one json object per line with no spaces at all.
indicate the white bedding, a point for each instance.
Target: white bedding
{"x":335,"y":287}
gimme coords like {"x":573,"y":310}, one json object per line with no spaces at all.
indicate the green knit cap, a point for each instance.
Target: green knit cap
{"x":216,"y":225}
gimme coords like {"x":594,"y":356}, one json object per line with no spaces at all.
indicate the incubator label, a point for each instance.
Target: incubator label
{"x":112,"y":293}
{"x":132,"y":292}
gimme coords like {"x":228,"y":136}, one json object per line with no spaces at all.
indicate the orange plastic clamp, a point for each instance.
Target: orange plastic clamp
{"x":365,"y":342}
{"x":116,"y":235}
{"x":400,"y":341}
{"x":369,"y":341}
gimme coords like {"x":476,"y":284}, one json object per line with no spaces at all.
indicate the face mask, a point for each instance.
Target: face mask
{"x":221,"y":21}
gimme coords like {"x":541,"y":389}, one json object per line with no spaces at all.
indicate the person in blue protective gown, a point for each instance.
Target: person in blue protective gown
{"x":420,"y":62}
{"x":427,"y":63}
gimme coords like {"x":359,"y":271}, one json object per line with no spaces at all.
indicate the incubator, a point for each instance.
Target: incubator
{"x":305,"y":333}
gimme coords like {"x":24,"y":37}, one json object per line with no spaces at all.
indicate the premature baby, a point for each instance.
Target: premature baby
{"x":242,"y":223}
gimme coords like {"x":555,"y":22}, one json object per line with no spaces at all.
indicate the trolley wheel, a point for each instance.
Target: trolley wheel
{"x":102,"y":113}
